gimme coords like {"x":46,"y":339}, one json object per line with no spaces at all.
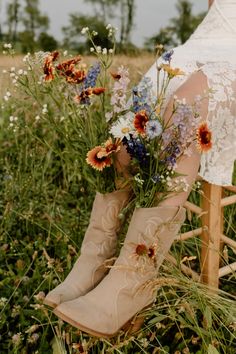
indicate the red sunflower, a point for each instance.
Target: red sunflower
{"x":204,"y":137}
{"x":140,"y":121}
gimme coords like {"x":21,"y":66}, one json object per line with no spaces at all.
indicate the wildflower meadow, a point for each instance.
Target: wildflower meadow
{"x":47,"y":189}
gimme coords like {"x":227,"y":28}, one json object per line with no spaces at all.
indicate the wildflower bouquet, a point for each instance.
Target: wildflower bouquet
{"x":152,"y":143}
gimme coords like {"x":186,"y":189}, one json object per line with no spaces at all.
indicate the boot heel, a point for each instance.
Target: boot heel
{"x":135,"y":325}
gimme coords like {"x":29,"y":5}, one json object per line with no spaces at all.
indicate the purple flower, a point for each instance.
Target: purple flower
{"x":136,"y":150}
{"x":167,"y":56}
{"x":172,"y":152}
{"x":153,"y":129}
{"x":91,"y":78}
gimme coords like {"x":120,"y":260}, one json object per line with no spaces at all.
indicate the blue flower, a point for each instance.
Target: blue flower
{"x":136,"y":150}
{"x":173,"y":151}
{"x":153,"y":129}
{"x":143,"y":97}
{"x":91,"y":78}
{"x":167,"y":56}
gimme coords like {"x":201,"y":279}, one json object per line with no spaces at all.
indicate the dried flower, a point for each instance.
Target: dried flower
{"x":141,"y":250}
{"x":16,"y":339}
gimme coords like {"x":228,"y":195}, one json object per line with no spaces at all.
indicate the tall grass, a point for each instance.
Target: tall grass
{"x":45,"y":204}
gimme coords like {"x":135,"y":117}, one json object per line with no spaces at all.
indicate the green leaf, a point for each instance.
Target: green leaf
{"x":57,"y":346}
{"x":212,"y":350}
{"x":207,"y":318}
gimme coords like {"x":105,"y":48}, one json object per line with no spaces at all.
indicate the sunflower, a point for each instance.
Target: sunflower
{"x":140,"y":121}
{"x":204,"y":137}
{"x":98,"y":158}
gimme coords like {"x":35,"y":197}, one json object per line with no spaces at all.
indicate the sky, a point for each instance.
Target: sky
{"x":151,"y":15}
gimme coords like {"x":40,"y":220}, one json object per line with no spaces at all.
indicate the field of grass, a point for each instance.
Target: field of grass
{"x":45,"y":203}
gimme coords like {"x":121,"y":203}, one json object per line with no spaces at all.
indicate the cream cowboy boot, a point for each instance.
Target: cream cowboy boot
{"x":128,"y":287}
{"x":99,"y":245}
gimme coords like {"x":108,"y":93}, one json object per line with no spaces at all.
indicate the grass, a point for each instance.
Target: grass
{"x":45,"y":204}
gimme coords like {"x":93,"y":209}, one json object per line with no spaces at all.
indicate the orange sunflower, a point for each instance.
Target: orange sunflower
{"x":204,"y":137}
{"x":98,"y":158}
{"x":140,"y":121}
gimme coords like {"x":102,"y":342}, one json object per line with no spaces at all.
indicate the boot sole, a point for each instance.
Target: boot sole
{"x":131,"y":326}
{"x":50,"y":303}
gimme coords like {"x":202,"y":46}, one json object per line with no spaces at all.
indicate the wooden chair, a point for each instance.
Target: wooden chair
{"x":213,"y":240}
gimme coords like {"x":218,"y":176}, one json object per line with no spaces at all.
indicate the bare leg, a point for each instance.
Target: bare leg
{"x":188,"y":165}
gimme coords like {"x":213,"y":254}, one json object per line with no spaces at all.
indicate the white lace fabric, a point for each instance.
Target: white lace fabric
{"x":212,"y":49}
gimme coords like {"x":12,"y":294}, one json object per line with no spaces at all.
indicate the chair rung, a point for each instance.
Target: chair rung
{"x":231,"y":268}
{"x":228,"y":201}
{"x":228,"y":241}
{"x":230,"y":188}
{"x":194,"y":208}
{"x":186,"y":270}
{"x":187,"y":235}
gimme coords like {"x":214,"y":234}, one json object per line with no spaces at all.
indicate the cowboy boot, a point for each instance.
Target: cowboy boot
{"x":98,"y":246}
{"x":128,"y":287}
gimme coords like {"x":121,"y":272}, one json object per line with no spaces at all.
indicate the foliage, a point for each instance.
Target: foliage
{"x":46,"y":42}
{"x":13,"y":19}
{"x":73,"y":33}
{"x":122,"y":10}
{"x":179,"y":29}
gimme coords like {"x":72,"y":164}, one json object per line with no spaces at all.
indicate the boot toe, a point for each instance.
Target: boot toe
{"x":82,"y":314}
{"x":60,"y":294}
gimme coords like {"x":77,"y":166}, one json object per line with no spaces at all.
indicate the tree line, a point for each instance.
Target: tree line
{"x":28,"y":28}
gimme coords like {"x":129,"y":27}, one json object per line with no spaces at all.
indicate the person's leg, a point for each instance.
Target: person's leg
{"x":128,"y":288}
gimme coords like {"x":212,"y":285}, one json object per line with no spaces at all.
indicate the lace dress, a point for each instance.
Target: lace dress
{"x":211,"y":52}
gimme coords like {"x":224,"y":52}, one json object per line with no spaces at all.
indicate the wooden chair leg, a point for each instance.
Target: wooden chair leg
{"x":211,"y":235}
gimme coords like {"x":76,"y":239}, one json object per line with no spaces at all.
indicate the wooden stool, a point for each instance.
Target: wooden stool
{"x":211,"y":212}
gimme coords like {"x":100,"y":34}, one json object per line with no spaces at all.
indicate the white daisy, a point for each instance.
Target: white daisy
{"x":122,"y":128}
